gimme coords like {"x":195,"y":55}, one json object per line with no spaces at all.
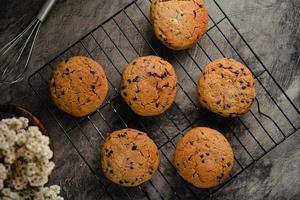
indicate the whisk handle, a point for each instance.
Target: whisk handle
{"x":44,"y":11}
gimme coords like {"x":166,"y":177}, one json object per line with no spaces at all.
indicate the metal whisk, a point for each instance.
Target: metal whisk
{"x":15,"y":55}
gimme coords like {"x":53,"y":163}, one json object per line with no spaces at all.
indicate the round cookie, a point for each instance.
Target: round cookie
{"x":148,"y":85}
{"x":226,"y":87}
{"x":78,"y":86}
{"x":129,"y":157}
{"x":179,"y":24}
{"x":203,"y":157}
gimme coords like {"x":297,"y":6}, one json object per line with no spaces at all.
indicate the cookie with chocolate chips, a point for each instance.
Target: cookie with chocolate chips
{"x":129,"y":157}
{"x":78,"y":86}
{"x":179,"y":24}
{"x":226,"y":87}
{"x":203,"y":157}
{"x":148,"y":85}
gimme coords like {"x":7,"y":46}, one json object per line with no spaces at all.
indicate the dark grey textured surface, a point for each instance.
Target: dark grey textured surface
{"x":272,"y":29}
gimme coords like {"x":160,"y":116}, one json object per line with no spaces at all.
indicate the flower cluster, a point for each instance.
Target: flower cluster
{"x":24,"y":160}
{"x":42,"y":193}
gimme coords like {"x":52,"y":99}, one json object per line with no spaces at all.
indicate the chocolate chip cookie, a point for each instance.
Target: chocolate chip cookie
{"x":179,"y":24}
{"x":129,"y":157}
{"x":226,"y":87}
{"x":203,"y":157}
{"x":78,"y":86}
{"x":148,"y":85}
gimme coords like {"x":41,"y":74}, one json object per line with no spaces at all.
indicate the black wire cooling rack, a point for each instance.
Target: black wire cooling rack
{"x":128,"y":34}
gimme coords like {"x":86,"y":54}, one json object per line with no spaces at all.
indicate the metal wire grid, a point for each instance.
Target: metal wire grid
{"x":128,"y":34}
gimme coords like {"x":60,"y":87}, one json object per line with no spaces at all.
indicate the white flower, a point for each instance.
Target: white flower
{"x":27,"y":149}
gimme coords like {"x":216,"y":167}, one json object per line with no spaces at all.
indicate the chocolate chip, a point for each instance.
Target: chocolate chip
{"x":244,"y":87}
{"x":132,"y":183}
{"x":157,"y":105}
{"x":222,"y":174}
{"x":182,"y":14}
{"x":134,"y":63}
{"x":195,"y":13}
{"x":106,"y":150}
{"x":237,"y":73}
{"x":191,"y":142}
{"x":139,"y":133}
{"x":121,"y":135}
{"x":62,"y":93}
{"x":201,"y":156}
{"x":131,"y":167}
{"x":92,"y":72}
{"x":123,"y":87}
{"x":134,"y":98}
{"x":223,"y":159}
{"x":136,"y":79}
{"x":125,"y":94}
{"x":150,"y":173}
{"x":165,"y":39}
{"x":203,"y":161}
{"x":165,"y":74}
{"x":242,"y":69}
{"x":228,"y":106}
{"x":121,"y":182}
{"x":53,"y":84}
{"x":88,"y":100}
{"x":80,"y":78}
{"x":213,"y":70}
{"x":78,"y":99}
{"x":218,"y":102}
{"x":134,"y":147}
{"x":111,"y":171}
{"x":241,"y":82}
{"x":222,"y":75}
{"x":66,"y":60}
{"x":204,"y":101}
{"x":230,"y":67}
{"x":242,"y":101}
{"x":129,"y":81}
{"x":67,"y":69}
{"x":228,"y":164}
{"x":207,"y":154}
{"x":93,"y":87}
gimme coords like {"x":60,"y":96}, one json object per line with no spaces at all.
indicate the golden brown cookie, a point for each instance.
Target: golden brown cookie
{"x":78,"y":86}
{"x":179,"y":24}
{"x":203,"y":157}
{"x":226,"y":87}
{"x":149,"y":85}
{"x":129,"y":157}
